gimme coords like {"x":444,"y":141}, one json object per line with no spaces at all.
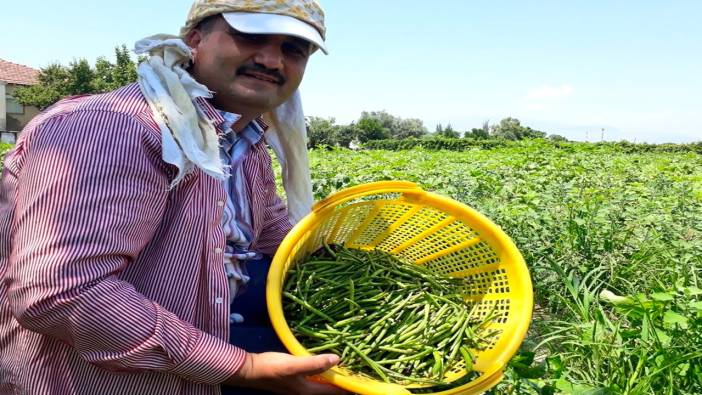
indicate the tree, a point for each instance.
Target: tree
{"x":321,"y":131}
{"x":406,"y":128}
{"x":385,"y":120}
{"x":53,"y":85}
{"x":557,"y":137}
{"x":530,"y":133}
{"x":109,"y":76}
{"x":395,"y":127}
{"x":371,"y":129}
{"x":511,"y":129}
{"x":103,"y":75}
{"x":57,"y":81}
{"x":125,"y":70}
{"x":479,"y":133}
{"x":447,"y":132}
{"x":374,"y":125}
{"x":80,"y":78}
{"x":346,"y":134}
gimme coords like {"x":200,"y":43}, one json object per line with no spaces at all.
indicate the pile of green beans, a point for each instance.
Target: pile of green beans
{"x":389,"y":320}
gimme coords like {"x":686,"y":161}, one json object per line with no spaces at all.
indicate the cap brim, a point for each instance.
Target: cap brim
{"x":260,"y":23}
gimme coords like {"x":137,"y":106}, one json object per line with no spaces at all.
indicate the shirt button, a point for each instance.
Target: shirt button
{"x":218,"y":250}
{"x":219,"y":300}
{"x":220,"y":203}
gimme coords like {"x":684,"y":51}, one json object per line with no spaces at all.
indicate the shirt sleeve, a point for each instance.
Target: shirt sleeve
{"x":90,"y":192}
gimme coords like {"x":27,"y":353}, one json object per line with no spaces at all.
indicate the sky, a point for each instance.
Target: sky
{"x":586,"y":70}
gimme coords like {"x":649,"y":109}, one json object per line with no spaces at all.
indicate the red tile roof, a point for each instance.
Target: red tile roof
{"x":14,"y":73}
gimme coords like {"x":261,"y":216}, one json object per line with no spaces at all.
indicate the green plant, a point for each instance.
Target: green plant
{"x":613,"y":217}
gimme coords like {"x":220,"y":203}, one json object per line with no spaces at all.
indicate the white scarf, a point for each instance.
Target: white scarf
{"x":189,"y":140}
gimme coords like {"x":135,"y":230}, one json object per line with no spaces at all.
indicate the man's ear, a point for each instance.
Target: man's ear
{"x":193,"y":39}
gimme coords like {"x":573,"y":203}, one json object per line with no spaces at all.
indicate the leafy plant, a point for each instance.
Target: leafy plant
{"x":612,"y":234}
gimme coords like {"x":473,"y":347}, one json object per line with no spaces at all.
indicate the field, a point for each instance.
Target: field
{"x":613,"y":240}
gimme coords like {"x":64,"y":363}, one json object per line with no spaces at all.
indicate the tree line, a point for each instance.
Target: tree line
{"x":379,"y":125}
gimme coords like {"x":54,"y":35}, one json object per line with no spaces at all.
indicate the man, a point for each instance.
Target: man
{"x":127,"y":218}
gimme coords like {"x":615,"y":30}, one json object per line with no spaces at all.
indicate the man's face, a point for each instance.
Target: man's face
{"x":248,"y":73}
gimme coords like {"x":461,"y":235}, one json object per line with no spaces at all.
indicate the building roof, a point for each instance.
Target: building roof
{"x":14,"y":73}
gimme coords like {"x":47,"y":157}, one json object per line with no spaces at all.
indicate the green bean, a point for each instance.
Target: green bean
{"x":409,"y":379}
{"x":329,"y":250}
{"x":310,"y":332}
{"x":438,"y":365}
{"x":395,"y":350}
{"x":455,"y":346}
{"x":467,"y":357}
{"x":307,"y":306}
{"x":370,"y":362}
{"x":413,"y":357}
{"x":383,"y":316}
{"x":323,"y":347}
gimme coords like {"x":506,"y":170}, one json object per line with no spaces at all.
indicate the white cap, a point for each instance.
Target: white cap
{"x":262,"y":23}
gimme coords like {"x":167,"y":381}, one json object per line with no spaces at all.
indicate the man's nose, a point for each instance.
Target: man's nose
{"x":270,"y":56}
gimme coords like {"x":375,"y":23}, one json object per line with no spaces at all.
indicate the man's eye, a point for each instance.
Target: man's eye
{"x":253,"y":38}
{"x":294,"y":49}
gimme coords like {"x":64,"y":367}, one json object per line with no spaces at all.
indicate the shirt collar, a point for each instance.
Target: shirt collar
{"x":211,"y":114}
{"x":223,"y":120}
{"x":252,"y":133}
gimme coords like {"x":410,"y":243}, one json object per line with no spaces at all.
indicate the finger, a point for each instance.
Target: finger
{"x":308,"y":366}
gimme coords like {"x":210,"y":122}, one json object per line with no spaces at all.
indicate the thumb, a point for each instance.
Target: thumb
{"x":316,"y":364}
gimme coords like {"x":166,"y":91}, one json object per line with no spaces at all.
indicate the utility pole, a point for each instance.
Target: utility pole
{"x":602,"y":136}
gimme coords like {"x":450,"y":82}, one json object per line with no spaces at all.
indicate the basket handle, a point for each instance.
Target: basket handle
{"x":371,"y":188}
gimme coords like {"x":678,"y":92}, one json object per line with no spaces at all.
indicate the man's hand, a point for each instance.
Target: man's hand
{"x":285,"y":374}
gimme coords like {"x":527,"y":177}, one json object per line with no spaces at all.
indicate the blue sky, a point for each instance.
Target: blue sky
{"x":633,"y":68}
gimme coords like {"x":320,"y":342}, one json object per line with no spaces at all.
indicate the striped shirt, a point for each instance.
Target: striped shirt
{"x":236,"y":218}
{"x":111,"y":282}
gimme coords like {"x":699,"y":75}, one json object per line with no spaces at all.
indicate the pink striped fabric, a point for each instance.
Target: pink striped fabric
{"x":111,"y":283}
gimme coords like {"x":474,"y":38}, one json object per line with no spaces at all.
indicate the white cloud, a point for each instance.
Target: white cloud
{"x":550,"y":92}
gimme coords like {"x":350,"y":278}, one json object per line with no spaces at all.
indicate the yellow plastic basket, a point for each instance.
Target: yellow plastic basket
{"x":428,"y":229}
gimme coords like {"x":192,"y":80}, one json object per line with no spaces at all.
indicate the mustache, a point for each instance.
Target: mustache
{"x":280,"y":80}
